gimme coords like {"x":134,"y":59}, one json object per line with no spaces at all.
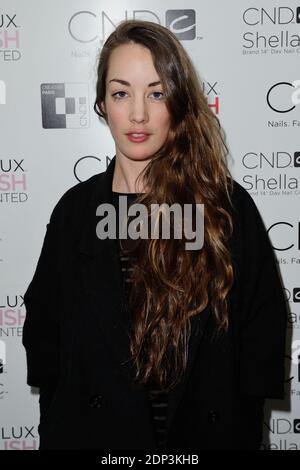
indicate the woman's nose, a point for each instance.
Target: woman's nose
{"x":138,"y":111}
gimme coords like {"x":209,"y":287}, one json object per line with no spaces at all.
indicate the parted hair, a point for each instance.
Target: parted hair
{"x":170,"y":284}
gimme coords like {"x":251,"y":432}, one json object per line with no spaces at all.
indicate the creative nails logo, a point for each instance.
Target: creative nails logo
{"x":13,"y":181}
{"x":84,"y":26}
{"x":65,"y":105}
{"x":282,"y":168}
{"x":12,"y":315}
{"x":271,"y":30}
{"x":9,"y":38}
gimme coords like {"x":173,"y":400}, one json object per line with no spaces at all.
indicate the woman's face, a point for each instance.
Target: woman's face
{"x":135,"y":102}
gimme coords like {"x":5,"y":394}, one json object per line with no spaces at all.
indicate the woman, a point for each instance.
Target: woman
{"x":184,"y":358}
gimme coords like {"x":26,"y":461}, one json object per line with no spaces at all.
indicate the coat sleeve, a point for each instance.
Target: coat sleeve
{"x":41,"y":326}
{"x":263,"y":314}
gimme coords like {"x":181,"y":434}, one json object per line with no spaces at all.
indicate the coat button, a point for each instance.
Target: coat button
{"x":213,"y":416}
{"x":95,"y":401}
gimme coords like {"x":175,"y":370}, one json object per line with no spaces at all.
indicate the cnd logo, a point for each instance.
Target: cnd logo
{"x":275,"y":15}
{"x":287,"y":228}
{"x":291,"y":101}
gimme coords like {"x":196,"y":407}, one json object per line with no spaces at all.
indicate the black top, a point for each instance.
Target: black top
{"x":157,"y":398}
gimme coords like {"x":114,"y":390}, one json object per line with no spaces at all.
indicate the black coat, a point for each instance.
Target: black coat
{"x":77,"y":344}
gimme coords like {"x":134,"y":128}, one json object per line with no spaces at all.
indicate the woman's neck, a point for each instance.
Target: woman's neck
{"x":125,"y":175}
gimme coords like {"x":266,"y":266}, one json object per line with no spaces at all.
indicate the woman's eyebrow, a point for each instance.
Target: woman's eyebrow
{"x":123,"y":82}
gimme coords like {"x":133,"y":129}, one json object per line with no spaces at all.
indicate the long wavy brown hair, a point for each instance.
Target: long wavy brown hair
{"x":171,"y":284}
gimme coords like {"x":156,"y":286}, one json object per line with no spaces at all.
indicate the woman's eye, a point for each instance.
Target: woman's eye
{"x":120,"y":94}
{"x":158,"y":93}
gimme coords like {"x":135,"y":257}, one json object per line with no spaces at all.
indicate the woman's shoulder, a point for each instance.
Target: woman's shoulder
{"x":75,"y":200}
{"x":240,"y":195}
{"x":248,"y":222}
{"x":242,"y":202}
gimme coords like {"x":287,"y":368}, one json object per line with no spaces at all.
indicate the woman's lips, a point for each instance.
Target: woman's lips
{"x":138,"y":137}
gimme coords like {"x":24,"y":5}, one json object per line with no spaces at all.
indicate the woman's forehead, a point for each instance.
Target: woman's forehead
{"x":132,"y":64}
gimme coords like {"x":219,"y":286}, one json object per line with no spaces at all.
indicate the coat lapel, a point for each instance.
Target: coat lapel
{"x":101,"y":274}
{"x":102,"y":281}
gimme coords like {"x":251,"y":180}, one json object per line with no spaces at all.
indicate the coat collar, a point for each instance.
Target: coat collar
{"x":100,"y":192}
{"x":101,"y":277}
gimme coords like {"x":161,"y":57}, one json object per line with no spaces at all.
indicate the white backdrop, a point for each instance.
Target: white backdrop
{"x":247,"y":54}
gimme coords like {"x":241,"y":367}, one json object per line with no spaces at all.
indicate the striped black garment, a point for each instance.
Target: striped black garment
{"x":157,"y":398}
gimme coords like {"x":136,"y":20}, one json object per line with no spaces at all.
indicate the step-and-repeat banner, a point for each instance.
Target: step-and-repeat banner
{"x":247,"y":54}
